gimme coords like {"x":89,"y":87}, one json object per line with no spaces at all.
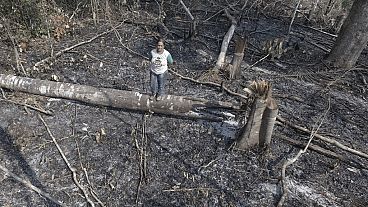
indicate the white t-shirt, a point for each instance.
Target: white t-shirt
{"x":159,"y":61}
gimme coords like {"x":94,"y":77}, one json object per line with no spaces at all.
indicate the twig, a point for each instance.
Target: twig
{"x":258,"y":61}
{"x":17,"y":57}
{"x":74,"y":119}
{"x":29,"y":106}
{"x":127,"y":48}
{"x":29,"y":185}
{"x":244,"y":5}
{"x":72,"y":169}
{"x":186,"y":189}
{"x":318,"y":30}
{"x":317,"y":45}
{"x":93,"y":193}
{"x":73,"y":46}
{"x":294,"y":159}
{"x":322,"y":151}
{"x":294,"y":14}
{"x":328,"y":140}
{"x":187,"y":10}
{"x":213,"y":15}
{"x":3,"y":93}
{"x":210,"y":83}
{"x":142,"y":153}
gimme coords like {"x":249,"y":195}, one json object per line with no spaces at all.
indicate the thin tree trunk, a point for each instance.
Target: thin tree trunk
{"x":249,"y":136}
{"x":240,"y":45}
{"x":131,"y":100}
{"x":225,"y":42}
{"x":268,"y":122}
{"x":352,"y":38}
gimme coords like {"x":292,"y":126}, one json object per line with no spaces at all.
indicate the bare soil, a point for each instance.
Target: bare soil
{"x":127,"y":158}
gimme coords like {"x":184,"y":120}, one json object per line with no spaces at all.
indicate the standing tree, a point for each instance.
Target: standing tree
{"x":353,"y":37}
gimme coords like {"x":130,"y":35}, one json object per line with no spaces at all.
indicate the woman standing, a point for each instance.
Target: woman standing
{"x":160,"y":58}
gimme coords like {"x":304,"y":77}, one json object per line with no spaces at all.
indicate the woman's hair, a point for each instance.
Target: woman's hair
{"x":160,"y":40}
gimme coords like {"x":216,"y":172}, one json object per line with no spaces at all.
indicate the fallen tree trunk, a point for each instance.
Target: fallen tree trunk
{"x":131,"y":100}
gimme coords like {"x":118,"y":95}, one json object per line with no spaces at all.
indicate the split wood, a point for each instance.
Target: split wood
{"x":328,"y":140}
{"x":29,"y":185}
{"x":72,"y":169}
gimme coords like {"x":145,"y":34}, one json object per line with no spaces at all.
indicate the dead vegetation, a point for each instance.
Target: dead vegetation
{"x":80,"y":153}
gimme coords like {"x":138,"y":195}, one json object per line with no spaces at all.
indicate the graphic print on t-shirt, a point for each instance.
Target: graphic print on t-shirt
{"x":158,"y":62}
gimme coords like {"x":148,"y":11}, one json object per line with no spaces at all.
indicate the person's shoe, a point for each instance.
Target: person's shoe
{"x":158,"y":98}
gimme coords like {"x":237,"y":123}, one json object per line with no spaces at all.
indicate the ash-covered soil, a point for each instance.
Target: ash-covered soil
{"x":126,"y":158}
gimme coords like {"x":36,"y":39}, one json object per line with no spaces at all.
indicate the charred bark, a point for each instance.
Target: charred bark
{"x":352,"y":38}
{"x":261,"y":119}
{"x":225,"y":42}
{"x":234,"y":68}
{"x":268,"y":122}
{"x":250,"y":133}
{"x":130,"y":100}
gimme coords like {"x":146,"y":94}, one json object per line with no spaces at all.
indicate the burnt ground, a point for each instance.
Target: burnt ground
{"x":188,"y":162}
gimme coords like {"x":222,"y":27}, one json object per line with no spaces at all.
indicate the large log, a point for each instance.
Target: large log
{"x":130,"y":100}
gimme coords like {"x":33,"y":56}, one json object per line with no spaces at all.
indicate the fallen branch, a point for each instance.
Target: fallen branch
{"x":294,"y":15}
{"x":142,"y":154}
{"x":258,"y":61}
{"x":50,"y":58}
{"x":210,"y":84}
{"x":318,"y":46}
{"x":322,"y":151}
{"x":29,"y":106}
{"x":296,"y":157}
{"x":17,"y":57}
{"x":318,"y":30}
{"x":93,"y":193}
{"x":72,"y":169}
{"x":328,"y":140}
{"x":29,"y":185}
{"x":186,"y":189}
{"x":187,"y":10}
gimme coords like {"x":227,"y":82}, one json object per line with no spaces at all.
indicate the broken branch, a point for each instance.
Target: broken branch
{"x":72,"y":169}
{"x":50,"y":58}
{"x":29,"y":106}
{"x":29,"y":185}
{"x":328,"y":140}
{"x":296,"y":157}
{"x":209,"y":83}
